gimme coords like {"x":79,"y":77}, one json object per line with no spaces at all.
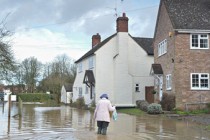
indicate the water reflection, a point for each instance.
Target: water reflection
{"x":49,"y":123}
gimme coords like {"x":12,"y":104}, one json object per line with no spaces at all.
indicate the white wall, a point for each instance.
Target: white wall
{"x":123,"y":81}
{"x":121,"y":63}
{"x":79,"y":82}
{"x":104,"y":69}
{"x":139,"y":68}
{"x":65,"y":96}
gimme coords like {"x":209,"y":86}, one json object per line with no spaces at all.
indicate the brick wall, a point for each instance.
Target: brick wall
{"x":180,"y":61}
{"x":163,"y":29}
{"x":189,"y":61}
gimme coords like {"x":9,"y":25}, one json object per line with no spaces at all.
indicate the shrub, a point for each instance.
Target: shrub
{"x":142,"y":104}
{"x":80,"y":102}
{"x":93,"y":104}
{"x":168,"y":102}
{"x":154,"y":108}
{"x":208,"y":106}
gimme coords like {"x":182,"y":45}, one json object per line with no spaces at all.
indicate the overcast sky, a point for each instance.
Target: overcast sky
{"x":48,"y":28}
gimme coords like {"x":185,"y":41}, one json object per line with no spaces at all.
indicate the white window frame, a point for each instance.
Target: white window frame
{"x":91,"y":62}
{"x":162,"y":47}
{"x":80,"y":92}
{"x":199,"y":87}
{"x":168,"y":82}
{"x":137,"y":87}
{"x":199,"y":41}
{"x":80,"y":67}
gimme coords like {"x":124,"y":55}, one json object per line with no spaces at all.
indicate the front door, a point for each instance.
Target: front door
{"x":149,"y":96}
{"x":160,"y":87}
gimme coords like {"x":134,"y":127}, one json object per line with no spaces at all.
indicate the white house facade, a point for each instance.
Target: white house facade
{"x":66,"y":94}
{"x":121,"y":68}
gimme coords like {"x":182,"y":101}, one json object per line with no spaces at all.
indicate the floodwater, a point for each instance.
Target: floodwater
{"x":66,"y":123}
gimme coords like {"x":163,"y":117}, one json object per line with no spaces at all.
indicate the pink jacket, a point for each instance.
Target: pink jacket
{"x":102,"y":110}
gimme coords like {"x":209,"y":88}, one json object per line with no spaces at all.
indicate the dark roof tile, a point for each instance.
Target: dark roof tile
{"x":145,"y":43}
{"x":189,"y":14}
{"x":157,"y":69}
{"x":68,"y":87}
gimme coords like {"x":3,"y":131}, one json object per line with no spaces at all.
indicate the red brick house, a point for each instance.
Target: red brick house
{"x":182,"y":52}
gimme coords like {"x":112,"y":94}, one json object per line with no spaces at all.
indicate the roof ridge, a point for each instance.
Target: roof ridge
{"x":98,"y":46}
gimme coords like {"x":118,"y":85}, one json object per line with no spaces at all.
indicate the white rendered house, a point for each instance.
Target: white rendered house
{"x":119,"y":66}
{"x":66,"y":94}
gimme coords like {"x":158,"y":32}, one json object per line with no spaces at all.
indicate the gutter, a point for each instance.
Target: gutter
{"x":191,"y":31}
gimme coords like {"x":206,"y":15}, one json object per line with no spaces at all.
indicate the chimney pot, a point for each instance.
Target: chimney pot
{"x":96,"y":39}
{"x":124,"y":15}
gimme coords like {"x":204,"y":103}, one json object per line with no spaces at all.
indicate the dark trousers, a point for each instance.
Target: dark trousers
{"x":102,"y":127}
{"x":102,"y":124}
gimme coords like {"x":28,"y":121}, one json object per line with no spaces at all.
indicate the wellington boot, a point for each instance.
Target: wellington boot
{"x":103,"y":132}
{"x":99,"y":130}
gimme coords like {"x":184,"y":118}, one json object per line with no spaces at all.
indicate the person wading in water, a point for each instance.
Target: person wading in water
{"x":102,"y":113}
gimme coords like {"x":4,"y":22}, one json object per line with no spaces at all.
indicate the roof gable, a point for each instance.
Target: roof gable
{"x":95,"y":48}
{"x":189,"y":14}
{"x":89,"y":78}
{"x":68,"y":87}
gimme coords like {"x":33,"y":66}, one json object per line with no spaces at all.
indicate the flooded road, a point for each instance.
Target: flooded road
{"x":66,"y":123}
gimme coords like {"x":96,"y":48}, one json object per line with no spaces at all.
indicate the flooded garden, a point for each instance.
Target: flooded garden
{"x":39,"y":122}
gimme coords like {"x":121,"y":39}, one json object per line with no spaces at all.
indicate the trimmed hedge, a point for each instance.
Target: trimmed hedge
{"x":34,"y":97}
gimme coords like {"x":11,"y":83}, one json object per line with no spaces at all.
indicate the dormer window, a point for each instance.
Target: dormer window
{"x":199,"y":41}
{"x":162,"y":47}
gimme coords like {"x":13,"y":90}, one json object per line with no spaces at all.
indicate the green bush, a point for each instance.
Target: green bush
{"x":34,"y":97}
{"x":168,"y":102}
{"x":142,"y":104}
{"x":208,"y":106}
{"x":154,"y":108}
{"x":80,"y":102}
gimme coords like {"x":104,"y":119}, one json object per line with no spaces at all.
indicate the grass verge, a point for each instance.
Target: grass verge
{"x":207,"y":128}
{"x":130,"y":111}
{"x":194,"y":112}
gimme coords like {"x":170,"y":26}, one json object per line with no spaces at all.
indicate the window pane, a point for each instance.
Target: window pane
{"x":204,"y":36}
{"x":204,"y":75}
{"x":194,"y":40}
{"x":204,"y":83}
{"x":195,"y":80}
{"x":203,"y":43}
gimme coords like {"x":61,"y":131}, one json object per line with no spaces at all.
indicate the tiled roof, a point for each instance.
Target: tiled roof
{"x":68,"y":87}
{"x":95,"y":48}
{"x":157,"y":69}
{"x":189,"y":14}
{"x":145,"y":43}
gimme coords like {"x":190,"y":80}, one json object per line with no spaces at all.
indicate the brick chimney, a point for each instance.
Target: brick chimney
{"x":96,"y":39}
{"x":122,"y":23}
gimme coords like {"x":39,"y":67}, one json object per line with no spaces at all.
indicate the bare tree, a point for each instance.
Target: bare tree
{"x":6,"y":55}
{"x":61,"y":71}
{"x":31,"y":68}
